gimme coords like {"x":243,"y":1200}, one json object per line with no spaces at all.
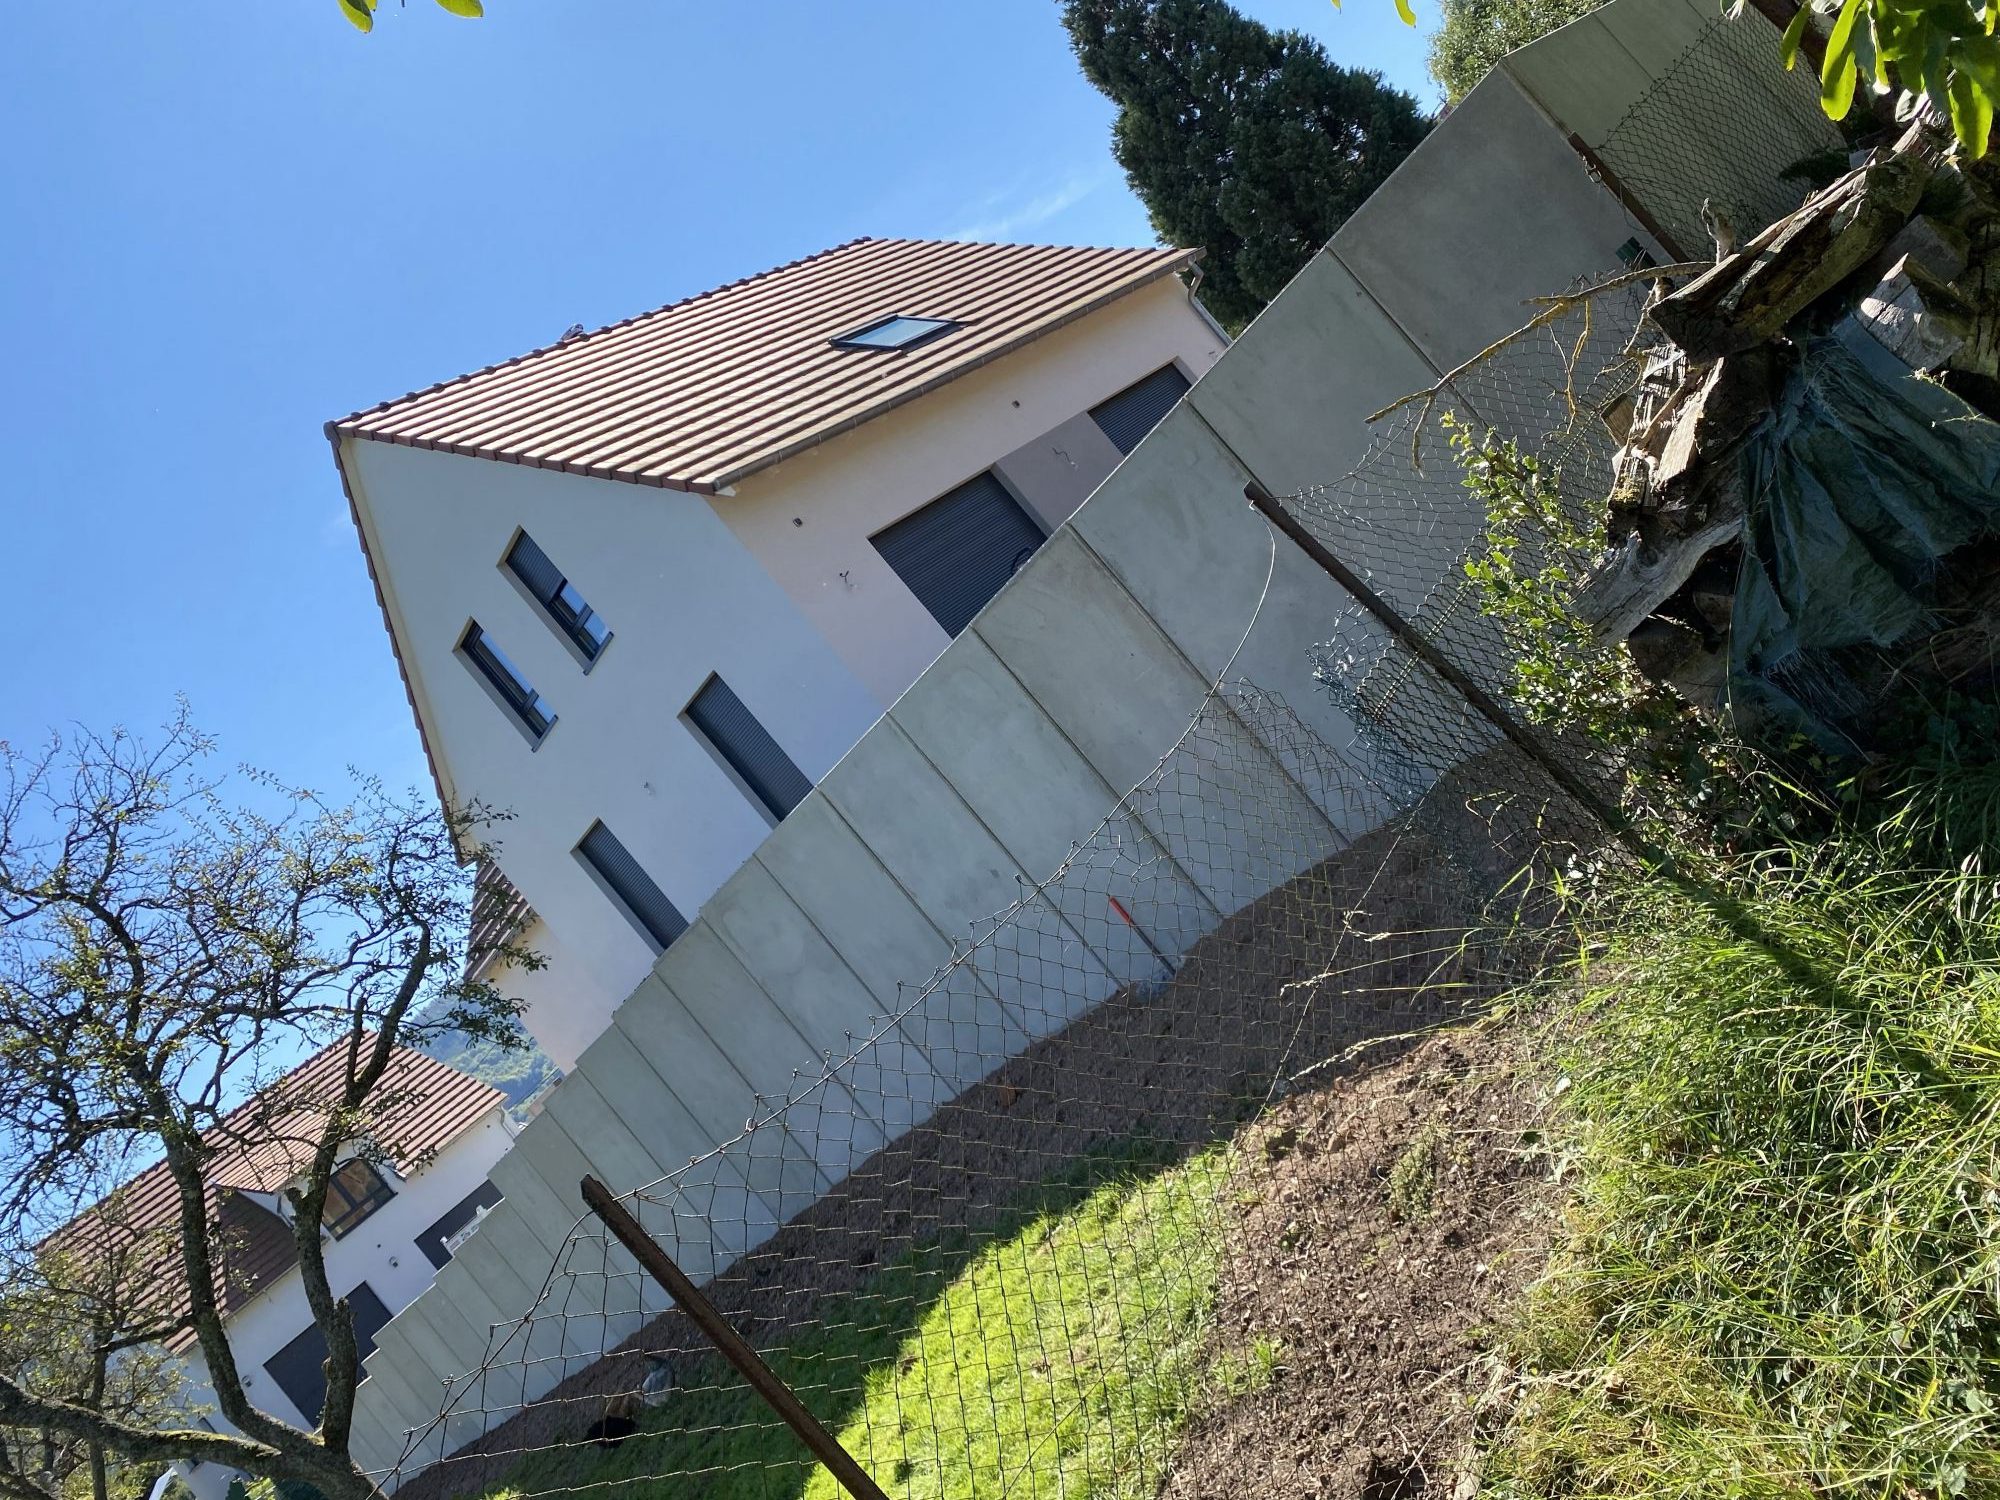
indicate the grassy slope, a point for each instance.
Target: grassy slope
{"x":1061,"y":1353}
{"x":1780,"y":1269}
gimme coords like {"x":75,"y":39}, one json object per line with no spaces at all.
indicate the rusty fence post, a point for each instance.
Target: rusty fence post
{"x":1653,"y":858}
{"x":730,"y":1344}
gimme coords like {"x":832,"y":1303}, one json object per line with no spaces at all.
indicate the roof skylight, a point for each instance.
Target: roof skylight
{"x":895,"y":333}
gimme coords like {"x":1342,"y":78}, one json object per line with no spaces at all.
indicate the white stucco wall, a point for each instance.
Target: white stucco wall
{"x":806,"y":623}
{"x":1019,"y":414}
{"x":561,"y":1027}
{"x":683,"y":599}
{"x":381,"y":1251}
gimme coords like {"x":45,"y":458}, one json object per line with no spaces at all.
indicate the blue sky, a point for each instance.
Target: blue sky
{"x":226,"y":223}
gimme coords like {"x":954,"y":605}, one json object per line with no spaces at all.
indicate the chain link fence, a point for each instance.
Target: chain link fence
{"x":982,"y":1247}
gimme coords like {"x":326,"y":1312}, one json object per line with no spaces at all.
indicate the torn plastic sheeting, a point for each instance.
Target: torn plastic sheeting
{"x":1859,"y":480}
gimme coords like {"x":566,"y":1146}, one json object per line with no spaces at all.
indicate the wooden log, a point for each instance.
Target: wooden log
{"x":1753,"y":295}
{"x":1639,"y":579}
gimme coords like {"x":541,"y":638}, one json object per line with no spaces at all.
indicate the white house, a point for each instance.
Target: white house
{"x":647,"y":585}
{"x":393,"y":1218}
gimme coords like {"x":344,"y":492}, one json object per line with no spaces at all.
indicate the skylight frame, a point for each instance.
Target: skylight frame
{"x":933,"y":328}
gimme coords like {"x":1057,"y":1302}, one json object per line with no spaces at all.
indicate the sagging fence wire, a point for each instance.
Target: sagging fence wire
{"x":981,"y":1247}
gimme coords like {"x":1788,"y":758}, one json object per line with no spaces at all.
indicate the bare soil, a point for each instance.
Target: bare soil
{"x":1387,"y":1221}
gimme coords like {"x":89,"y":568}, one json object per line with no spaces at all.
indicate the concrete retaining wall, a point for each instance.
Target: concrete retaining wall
{"x":1065,"y":691}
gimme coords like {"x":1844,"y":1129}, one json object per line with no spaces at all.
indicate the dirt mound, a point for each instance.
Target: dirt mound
{"x":1387,"y":1219}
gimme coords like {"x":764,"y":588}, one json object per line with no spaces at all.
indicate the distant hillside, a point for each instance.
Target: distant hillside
{"x":517,"y":1073}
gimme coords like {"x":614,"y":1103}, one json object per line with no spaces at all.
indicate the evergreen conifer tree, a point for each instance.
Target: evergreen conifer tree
{"x":1249,"y":142}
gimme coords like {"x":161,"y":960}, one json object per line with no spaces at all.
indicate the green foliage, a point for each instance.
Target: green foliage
{"x":1529,"y":572}
{"x":1248,"y":142}
{"x":272,"y":1489}
{"x":1413,"y":1178}
{"x":361,"y":13}
{"x":1778,"y":1273}
{"x":1100,"y":1283}
{"x":1476,"y":34}
{"x":1944,"y":49}
{"x":57,"y":1311}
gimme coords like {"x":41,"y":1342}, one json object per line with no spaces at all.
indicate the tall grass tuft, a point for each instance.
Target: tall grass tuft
{"x":1780,"y":1270}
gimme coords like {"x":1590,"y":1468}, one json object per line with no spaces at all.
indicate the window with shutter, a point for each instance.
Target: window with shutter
{"x":509,"y":684}
{"x":354,"y":1192}
{"x":566,"y":608}
{"x":623,"y":878}
{"x":300,"y":1367}
{"x":746,"y":747}
{"x":1135,"y":411}
{"x":956,"y":552}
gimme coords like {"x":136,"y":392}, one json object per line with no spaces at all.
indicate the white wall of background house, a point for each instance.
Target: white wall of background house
{"x":382,"y":1252}
{"x":775,"y":587}
{"x":1066,"y":688}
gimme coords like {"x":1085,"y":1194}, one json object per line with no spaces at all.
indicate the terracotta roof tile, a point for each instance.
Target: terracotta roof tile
{"x":702,"y":393}
{"x":262,"y":1145}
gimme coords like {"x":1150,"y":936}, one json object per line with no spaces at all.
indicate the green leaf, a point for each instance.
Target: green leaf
{"x":1788,"y":44}
{"x":360,"y":12}
{"x":1838,"y":73}
{"x":1971,"y":113}
{"x":470,"y":9}
{"x":1403,"y":9}
{"x":1936,"y":71}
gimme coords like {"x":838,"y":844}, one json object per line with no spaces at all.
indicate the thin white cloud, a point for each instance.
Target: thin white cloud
{"x":337,"y":530}
{"x":1002,"y":216}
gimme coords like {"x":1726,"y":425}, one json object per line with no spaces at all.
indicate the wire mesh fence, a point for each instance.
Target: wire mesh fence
{"x":982,"y":1247}
{"x":984,"y":1243}
{"x":1710,"y":129}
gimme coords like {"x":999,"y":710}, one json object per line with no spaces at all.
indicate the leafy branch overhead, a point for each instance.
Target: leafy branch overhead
{"x":1944,"y":49}
{"x":362,"y":12}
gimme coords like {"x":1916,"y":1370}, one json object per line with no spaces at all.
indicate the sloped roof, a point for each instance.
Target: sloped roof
{"x":261,"y":1146}
{"x":500,"y":913}
{"x":704,"y":392}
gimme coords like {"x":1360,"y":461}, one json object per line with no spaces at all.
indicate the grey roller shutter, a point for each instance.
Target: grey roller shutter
{"x":1135,"y":411}
{"x":644,"y":901}
{"x":532,"y":566}
{"x":957,"y":551}
{"x":300,"y":1367}
{"x":748,"y":747}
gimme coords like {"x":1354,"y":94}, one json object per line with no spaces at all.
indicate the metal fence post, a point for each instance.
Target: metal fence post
{"x":730,"y":1344}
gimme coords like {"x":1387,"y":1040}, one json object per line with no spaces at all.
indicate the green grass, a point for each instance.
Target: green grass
{"x":1057,"y":1354}
{"x":1780,"y":1270}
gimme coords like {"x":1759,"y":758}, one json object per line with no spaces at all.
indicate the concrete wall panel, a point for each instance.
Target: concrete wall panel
{"x":708,"y":981}
{"x":930,"y":840}
{"x":374,"y":1445}
{"x":888,"y":942}
{"x":1453,"y":247}
{"x":793,"y":963}
{"x":1173,"y":527}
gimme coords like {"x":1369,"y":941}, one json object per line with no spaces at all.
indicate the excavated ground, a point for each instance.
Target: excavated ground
{"x":1387,"y":1220}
